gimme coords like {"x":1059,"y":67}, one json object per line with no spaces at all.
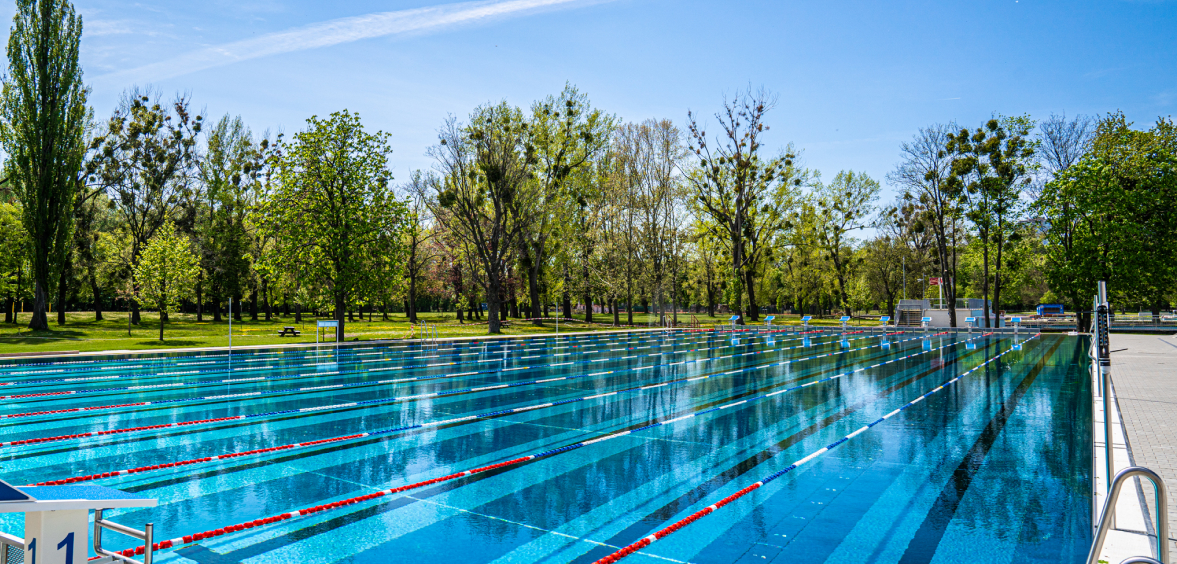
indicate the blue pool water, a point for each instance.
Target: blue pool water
{"x":992,"y":468}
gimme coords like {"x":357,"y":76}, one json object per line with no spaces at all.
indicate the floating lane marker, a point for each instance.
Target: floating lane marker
{"x":678,"y":525}
{"x":520,"y":410}
{"x":196,"y":537}
{"x":39,"y":440}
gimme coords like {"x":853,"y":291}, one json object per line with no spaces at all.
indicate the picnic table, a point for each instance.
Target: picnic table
{"x":289,"y":331}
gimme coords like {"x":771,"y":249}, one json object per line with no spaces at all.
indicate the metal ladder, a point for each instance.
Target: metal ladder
{"x":1109,"y":515}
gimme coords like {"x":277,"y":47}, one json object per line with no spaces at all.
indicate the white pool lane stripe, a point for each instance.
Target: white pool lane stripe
{"x":178,"y":541}
{"x":678,"y":525}
{"x":39,"y":440}
{"x":521,"y":410}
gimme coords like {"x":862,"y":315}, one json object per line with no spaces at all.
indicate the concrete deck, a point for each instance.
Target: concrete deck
{"x":1144,"y":375}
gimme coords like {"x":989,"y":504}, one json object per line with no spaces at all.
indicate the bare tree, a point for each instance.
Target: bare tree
{"x":923,"y":173}
{"x":486,"y":191}
{"x":418,"y":236}
{"x":733,"y":182}
{"x":1064,"y":141}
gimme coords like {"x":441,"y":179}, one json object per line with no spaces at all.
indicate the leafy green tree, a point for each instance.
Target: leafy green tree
{"x":568,"y":134}
{"x":13,"y":255}
{"x":165,"y":272}
{"x":992,"y":166}
{"x":332,"y":211}
{"x":146,"y":157}
{"x":1112,"y":216}
{"x":42,"y":124}
{"x":844,"y":205}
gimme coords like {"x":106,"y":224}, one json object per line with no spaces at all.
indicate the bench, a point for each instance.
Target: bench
{"x":289,"y":331}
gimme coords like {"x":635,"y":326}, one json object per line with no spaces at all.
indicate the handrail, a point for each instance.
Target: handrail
{"x":6,"y":541}
{"x":1139,"y":560}
{"x":145,"y":535}
{"x":1109,"y":512}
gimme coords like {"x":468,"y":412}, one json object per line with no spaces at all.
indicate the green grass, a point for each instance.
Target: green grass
{"x":82,"y":333}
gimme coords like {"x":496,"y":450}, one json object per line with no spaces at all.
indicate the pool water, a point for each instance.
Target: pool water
{"x":993,"y":467}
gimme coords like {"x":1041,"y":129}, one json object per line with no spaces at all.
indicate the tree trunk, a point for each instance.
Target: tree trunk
{"x":162,"y":316}
{"x":266,"y":296}
{"x":9,"y":304}
{"x":411,"y":301}
{"x":340,"y":310}
{"x":63,"y":288}
{"x":616,"y":316}
{"x":200,"y":297}
{"x":298,"y":313}
{"x":39,"y":322}
{"x":749,"y":282}
{"x":567,"y":295}
{"x":588,"y":307}
{"x":253,"y":304}
{"x":493,"y":306}
{"x":986,"y":305}
{"x":533,"y":293}
{"x":97,"y":296}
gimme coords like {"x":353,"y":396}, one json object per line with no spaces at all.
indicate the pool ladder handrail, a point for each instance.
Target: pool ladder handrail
{"x":6,"y":541}
{"x":146,"y":535}
{"x":1109,"y":513}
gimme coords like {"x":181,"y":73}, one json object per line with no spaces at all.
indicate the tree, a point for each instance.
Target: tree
{"x":567,"y":133}
{"x":419,"y":234}
{"x":42,"y":124}
{"x":146,"y":156}
{"x":165,"y":272}
{"x":924,"y":173}
{"x":13,"y":255}
{"x":844,"y":206}
{"x":333,"y":212}
{"x":991,"y":168}
{"x":1111,"y":216}
{"x":733,"y":184}
{"x":486,"y":192}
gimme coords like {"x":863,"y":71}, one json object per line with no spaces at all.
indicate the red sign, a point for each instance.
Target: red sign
{"x":934,"y":281}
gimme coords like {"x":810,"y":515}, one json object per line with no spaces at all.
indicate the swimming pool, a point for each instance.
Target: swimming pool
{"x":961,"y":448}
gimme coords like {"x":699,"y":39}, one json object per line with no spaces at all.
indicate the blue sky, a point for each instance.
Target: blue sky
{"x":854,"y":79}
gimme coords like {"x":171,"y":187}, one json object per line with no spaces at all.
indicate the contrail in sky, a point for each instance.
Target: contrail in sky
{"x":334,"y":32}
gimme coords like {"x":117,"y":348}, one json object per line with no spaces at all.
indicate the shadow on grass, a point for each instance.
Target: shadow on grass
{"x":42,"y":337}
{"x":170,"y":343}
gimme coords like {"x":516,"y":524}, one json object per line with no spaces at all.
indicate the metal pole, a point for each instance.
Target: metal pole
{"x":905,"y":278}
{"x":1103,"y":352}
{"x":230,"y":326}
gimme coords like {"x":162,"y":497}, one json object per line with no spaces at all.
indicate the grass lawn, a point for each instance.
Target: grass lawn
{"x":82,"y":333}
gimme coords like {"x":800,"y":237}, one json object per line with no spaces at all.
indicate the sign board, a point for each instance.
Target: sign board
{"x":934,"y":281}
{"x":328,"y":323}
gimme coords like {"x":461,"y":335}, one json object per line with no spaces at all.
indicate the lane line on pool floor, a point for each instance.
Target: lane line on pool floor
{"x":682,"y":523}
{"x":470,"y":418}
{"x":386,"y":401}
{"x":497,"y":466}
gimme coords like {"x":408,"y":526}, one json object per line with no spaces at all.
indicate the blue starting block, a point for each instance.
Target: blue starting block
{"x":845,"y":319}
{"x":883,"y":320}
{"x":733,"y":321}
{"x":768,"y":320}
{"x":57,"y":519}
{"x":805,"y":321}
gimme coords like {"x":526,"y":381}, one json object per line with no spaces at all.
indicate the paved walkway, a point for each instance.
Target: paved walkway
{"x":1144,"y":373}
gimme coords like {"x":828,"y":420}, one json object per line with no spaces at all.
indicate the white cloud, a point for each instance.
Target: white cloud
{"x":334,"y":32}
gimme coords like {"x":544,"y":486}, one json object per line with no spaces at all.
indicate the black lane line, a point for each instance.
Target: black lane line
{"x":691,"y":497}
{"x":922,"y":547}
{"x":171,"y":480}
